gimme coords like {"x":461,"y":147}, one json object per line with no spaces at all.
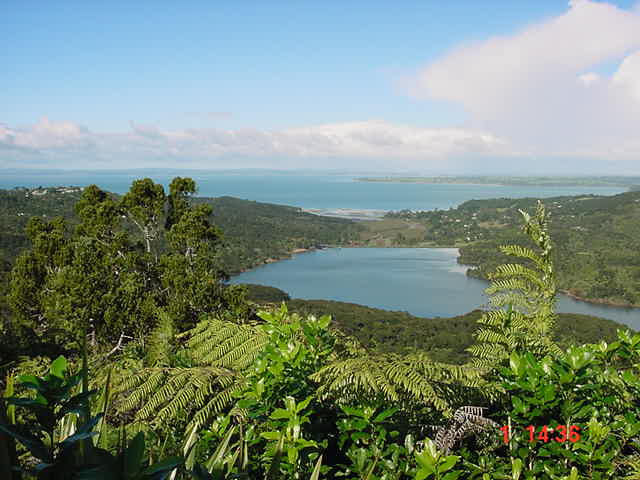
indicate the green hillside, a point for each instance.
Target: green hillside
{"x":254,"y":232}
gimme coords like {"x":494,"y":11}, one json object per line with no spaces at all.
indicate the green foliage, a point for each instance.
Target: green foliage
{"x":529,"y":293}
{"x":203,"y":383}
{"x":179,"y":191}
{"x":445,"y":340}
{"x":95,"y":262}
{"x":587,"y":396}
{"x":374,"y":451}
{"x":288,"y":395}
{"x":258,"y":232}
{"x":58,"y":436}
{"x":413,"y":381}
{"x":285,"y":433}
{"x":435,"y":465}
{"x":144,"y":205}
{"x":109,"y":276}
{"x":60,"y":432}
{"x":160,"y":342}
{"x":596,"y":239}
{"x":296,"y":349}
{"x":263,"y":294}
{"x":54,"y":438}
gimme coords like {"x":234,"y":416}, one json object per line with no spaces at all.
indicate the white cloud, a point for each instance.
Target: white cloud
{"x":590,"y":78}
{"x":66,"y":144}
{"x":628,"y":75}
{"x":538,"y":87}
{"x":540,"y":93}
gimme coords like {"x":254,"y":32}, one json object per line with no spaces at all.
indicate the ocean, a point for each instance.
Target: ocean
{"x":329,"y":194}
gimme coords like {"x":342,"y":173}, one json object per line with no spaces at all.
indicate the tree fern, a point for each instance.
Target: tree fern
{"x":408,"y":380}
{"x":225,"y":344}
{"x":523,"y":296}
{"x":219,"y":351}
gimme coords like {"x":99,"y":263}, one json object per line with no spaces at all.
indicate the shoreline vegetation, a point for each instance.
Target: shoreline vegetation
{"x":601,"y":231}
{"x":599,"y":301}
{"x":595,"y":181}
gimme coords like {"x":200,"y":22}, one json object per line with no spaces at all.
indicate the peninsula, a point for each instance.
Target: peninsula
{"x":592,"y":181}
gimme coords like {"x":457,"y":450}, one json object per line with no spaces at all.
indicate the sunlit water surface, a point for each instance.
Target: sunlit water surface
{"x":425,"y":282}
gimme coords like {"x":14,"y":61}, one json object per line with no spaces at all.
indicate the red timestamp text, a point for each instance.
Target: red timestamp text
{"x":560,"y":434}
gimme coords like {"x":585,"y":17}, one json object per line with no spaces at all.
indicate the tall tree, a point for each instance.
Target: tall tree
{"x":144,"y":206}
{"x":125,"y":259}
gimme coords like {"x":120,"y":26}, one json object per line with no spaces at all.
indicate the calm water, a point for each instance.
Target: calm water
{"x":324,"y":192}
{"x":422,"y":281}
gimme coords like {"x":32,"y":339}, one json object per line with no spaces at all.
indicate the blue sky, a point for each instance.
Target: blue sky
{"x":113,"y":82}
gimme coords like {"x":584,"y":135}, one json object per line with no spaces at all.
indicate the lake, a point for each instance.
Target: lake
{"x":328,"y":193}
{"x":426,"y":282}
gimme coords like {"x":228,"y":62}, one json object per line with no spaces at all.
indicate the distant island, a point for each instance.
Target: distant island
{"x":604,"y":181}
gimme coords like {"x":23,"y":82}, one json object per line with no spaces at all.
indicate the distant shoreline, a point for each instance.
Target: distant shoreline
{"x":297,"y":251}
{"x":599,"y":301}
{"x":511,"y":181}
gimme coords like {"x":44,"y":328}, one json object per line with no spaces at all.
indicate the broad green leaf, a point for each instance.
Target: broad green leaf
{"x":382,"y":416}
{"x":133,"y":455}
{"x":58,"y":367}
{"x":448,"y":463}
{"x":162,"y":469}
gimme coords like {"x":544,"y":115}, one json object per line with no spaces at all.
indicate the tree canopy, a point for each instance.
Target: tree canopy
{"x":125,"y":259}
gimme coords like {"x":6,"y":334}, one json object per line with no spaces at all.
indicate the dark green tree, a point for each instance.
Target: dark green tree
{"x":125,"y":259}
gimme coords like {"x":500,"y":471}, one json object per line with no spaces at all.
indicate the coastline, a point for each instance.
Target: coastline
{"x":285,"y":256}
{"x":425,"y":182}
{"x":599,"y":301}
{"x":453,"y":181}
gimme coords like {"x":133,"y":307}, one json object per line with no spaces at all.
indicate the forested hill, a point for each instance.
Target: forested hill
{"x":253,"y":232}
{"x":597,"y":239}
{"x":258,"y":232}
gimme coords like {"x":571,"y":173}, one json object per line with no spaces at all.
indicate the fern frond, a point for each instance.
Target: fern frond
{"x":409,"y":379}
{"x":525,"y":253}
{"x":169,"y":392}
{"x":528,"y":293}
{"x":160,"y":340}
{"x":225,"y":344}
{"x":220,"y":352}
{"x":466,"y":421}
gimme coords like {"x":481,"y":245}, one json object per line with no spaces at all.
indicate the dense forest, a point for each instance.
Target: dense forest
{"x":126,"y":356}
{"x":254,"y":232}
{"x":601,"y":230}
